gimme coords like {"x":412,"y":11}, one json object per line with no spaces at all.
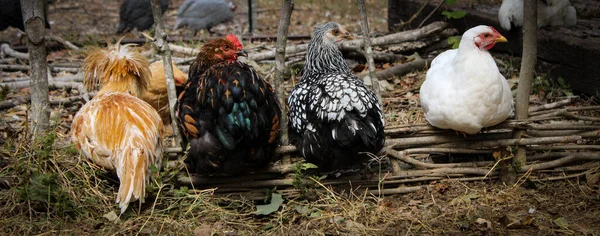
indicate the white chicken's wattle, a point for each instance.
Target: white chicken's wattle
{"x":550,"y":12}
{"x":464,"y":89}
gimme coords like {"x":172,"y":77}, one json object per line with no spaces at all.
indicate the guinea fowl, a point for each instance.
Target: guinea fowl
{"x":229,"y":114}
{"x":550,"y":12}
{"x":137,"y":14}
{"x":116,"y":129}
{"x":333,"y":117}
{"x":204,"y":14}
{"x":463,"y":89}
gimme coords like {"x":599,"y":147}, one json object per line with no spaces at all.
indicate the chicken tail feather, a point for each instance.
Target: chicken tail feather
{"x":132,"y":173}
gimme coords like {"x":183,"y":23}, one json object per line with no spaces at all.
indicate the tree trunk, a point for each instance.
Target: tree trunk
{"x":162,"y":45}
{"x":33,"y":18}
{"x":282,"y":32}
{"x":364,"y":25}
{"x":527,"y":71}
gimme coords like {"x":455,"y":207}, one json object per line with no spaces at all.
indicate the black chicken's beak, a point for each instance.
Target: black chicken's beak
{"x":242,"y":53}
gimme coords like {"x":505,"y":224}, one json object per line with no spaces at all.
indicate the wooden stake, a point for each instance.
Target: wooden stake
{"x":160,"y":41}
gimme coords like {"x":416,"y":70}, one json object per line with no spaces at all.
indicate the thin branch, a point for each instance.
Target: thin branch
{"x":364,"y":25}
{"x":280,"y":50}
{"x":431,"y":13}
{"x":562,"y":161}
{"x":7,"y":50}
{"x":403,"y":156}
{"x":356,"y":44}
{"x":162,"y":46}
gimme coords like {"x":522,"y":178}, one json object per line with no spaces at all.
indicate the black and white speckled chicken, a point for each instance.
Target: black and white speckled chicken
{"x":137,"y":14}
{"x":229,"y":114}
{"x":333,"y":117}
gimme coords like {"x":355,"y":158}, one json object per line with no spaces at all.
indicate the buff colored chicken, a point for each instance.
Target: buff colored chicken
{"x":156,"y":94}
{"x":116,"y":129}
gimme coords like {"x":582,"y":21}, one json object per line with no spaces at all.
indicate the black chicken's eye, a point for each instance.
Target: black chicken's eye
{"x":226,"y":47}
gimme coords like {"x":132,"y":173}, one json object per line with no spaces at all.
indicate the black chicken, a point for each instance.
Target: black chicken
{"x":229,"y":114}
{"x":333,"y":117}
{"x":137,"y":14}
{"x":11,"y":15}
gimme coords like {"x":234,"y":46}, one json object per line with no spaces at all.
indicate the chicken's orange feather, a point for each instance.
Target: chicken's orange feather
{"x":117,"y":130}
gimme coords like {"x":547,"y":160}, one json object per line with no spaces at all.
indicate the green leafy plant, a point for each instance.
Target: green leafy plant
{"x":45,"y":194}
{"x":298,"y":174}
{"x":546,"y":87}
{"x":273,"y":206}
{"x":454,"y":41}
{"x":453,"y":14}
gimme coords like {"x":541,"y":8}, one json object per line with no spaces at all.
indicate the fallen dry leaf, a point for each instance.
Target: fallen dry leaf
{"x":203,"y":230}
{"x":487,"y":223}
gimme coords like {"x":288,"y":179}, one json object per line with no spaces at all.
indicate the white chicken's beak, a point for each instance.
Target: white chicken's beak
{"x":501,"y":39}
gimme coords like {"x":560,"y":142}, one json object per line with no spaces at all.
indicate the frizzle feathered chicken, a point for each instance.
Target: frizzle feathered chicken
{"x":333,"y":116}
{"x":116,"y":129}
{"x":229,"y":114}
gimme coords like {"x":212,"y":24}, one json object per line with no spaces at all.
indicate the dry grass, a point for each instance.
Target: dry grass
{"x":57,"y":192}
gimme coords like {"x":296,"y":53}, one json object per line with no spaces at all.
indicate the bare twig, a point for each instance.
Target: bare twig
{"x":402,"y":69}
{"x":162,"y":46}
{"x":7,"y":50}
{"x":562,"y":161}
{"x":280,"y":67}
{"x":364,"y":25}
{"x":356,"y":44}
{"x":67,"y":44}
{"x":431,"y":13}
{"x":403,"y":156}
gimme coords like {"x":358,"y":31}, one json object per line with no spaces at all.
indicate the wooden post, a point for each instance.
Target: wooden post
{"x":364,"y":25}
{"x":162,"y":45}
{"x":527,"y":70}
{"x":251,"y":17}
{"x":282,"y":33}
{"x":34,"y":21}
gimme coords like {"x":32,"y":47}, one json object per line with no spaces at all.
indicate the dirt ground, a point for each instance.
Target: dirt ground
{"x":46,"y":189}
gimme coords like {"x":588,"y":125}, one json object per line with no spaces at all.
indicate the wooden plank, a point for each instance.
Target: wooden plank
{"x":572,"y":53}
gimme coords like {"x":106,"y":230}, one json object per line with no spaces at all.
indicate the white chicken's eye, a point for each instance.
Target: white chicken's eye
{"x":335,"y":32}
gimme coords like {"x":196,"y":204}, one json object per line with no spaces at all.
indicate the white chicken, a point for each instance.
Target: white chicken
{"x":463,"y":89}
{"x":550,"y":12}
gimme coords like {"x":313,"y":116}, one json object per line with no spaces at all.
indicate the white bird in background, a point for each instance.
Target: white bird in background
{"x":463,"y":89}
{"x":550,"y":12}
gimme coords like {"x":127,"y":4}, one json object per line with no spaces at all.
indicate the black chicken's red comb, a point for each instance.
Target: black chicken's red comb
{"x":232,"y":38}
